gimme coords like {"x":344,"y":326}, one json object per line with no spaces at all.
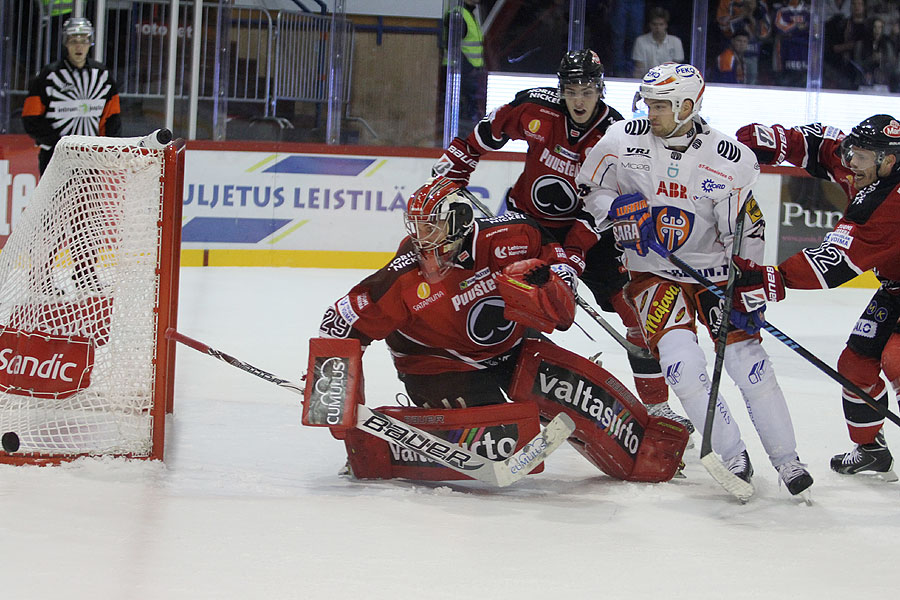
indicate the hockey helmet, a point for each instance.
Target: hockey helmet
{"x":581,"y":67}
{"x":78,"y":26}
{"x":438,"y":219}
{"x":878,"y":133}
{"x":676,"y":83}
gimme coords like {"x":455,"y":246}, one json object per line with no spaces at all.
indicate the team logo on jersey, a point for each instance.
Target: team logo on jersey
{"x":423,"y":291}
{"x":485,"y":323}
{"x":553,"y":196}
{"x":728,"y":151}
{"x":673,"y":226}
{"x":534,"y":125}
{"x":709,"y":185}
{"x":564,"y":152}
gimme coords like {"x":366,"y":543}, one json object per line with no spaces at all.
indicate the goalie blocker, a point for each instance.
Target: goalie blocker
{"x":613,"y":430}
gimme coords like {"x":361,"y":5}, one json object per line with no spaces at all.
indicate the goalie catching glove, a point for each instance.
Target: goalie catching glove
{"x":456,"y":163}
{"x":536,"y":296}
{"x":632,"y":224}
{"x":754,"y":285}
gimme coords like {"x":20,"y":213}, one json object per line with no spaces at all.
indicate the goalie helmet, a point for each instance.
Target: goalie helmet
{"x":676,"y":83}
{"x":78,"y":26}
{"x":878,"y":133}
{"x":438,"y":218}
{"x":581,"y":67}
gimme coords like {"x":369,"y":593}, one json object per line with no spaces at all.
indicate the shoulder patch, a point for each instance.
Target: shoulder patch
{"x":637,"y":127}
{"x":728,"y":151}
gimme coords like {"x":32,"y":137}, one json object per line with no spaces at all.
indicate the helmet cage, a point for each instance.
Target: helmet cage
{"x":438,"y":219}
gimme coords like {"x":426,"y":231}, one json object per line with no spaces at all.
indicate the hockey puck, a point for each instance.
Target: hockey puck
{"x":10,"y":441}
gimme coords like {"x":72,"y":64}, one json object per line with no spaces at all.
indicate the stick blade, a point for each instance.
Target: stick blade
{"x":733,"y":484}
{"x":535,"y":451}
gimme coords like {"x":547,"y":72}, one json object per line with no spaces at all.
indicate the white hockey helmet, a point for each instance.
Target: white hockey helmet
{"x":676,"y":83}
{"x":77,"y":26}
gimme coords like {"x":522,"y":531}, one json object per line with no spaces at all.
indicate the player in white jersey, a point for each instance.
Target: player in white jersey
{"x":671,"y":181}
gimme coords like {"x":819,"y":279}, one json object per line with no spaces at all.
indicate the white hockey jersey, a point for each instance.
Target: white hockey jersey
{"x":694,"y":196}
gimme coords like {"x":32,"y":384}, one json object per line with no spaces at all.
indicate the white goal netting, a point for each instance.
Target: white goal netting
{"x":79,"y":302}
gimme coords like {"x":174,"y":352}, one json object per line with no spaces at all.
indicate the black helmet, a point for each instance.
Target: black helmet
{"x":878,"y":133}
{"x":581,"y":66}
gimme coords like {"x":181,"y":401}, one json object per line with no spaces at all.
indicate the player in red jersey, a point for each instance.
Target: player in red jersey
{"x":455,"y":306}
{"x":866,"y":164}
{"x":561,"y":125}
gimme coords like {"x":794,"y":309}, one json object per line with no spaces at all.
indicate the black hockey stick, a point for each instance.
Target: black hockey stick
{"x":728,"y":480}
{"x":499,"y":473}
{"x":632,"y":349}
{"x":792,"y":344}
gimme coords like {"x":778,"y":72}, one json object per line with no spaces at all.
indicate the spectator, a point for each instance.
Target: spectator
{"x":731,"y":65}
{"x":876,"y":55}
{"x":656,"y":47}
{"x":842,"y":34}
{"x":750,"y":17}
{"x":791,"y":44}
{"x":473,"y":77}
{"x":626,"y":21}
{"x":837,"y":7}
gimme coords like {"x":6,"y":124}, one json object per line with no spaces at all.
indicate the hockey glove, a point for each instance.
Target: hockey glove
{"x":535,"y":296}
{"x":749,"y":322}
{"x":768,"y":143}
{"x":456,"y":163}
{"x":632,"y":224}
{"x":754,"y":285}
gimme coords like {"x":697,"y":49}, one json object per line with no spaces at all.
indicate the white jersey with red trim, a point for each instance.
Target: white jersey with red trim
{"x":694,"y":196}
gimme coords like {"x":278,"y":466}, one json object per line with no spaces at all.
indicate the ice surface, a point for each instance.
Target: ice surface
{"x":249,"y":505}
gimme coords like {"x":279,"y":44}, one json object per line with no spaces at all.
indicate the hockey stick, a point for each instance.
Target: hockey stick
{"x":499,"y":473}
{"x":733,"y":484}
{"x":789,"y":342}
{"x":632,"y":349}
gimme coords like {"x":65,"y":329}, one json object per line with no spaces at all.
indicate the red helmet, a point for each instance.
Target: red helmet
{"x":438,"y":218}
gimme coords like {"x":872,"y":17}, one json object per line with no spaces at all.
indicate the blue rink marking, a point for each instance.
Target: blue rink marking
{"x":321,"y":165}
{"x":230,"y":230}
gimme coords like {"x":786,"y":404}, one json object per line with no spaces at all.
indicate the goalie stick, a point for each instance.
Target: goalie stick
{"x":789,"y":342}
{"x":499,"y":473}
{"x":632,"y":349}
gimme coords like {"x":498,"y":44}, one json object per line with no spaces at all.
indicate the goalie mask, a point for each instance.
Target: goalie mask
{"x":438,"y":219}
{"x":879,"y":134}
{"x":78,"y":26}
{"x":676,"y":83}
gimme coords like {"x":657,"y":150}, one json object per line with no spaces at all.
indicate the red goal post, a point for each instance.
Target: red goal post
{"x":88,"y":287}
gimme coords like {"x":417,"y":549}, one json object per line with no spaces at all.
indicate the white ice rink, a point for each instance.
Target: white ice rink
{"x":248,"y":504}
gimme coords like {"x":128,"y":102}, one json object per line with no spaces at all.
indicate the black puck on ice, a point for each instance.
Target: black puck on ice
{"x":10,"y":441}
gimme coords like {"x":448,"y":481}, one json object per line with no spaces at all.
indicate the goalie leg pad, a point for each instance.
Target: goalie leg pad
{"x":495,"y":431}
{"x":613,"y":429}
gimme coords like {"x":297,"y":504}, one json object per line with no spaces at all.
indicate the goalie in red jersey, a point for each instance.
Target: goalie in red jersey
{"x":455,"y":306}
{"x":561,"y":125}
{"x":866,"y":164}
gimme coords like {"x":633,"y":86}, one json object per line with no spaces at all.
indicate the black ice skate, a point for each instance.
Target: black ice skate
{"x":664,"y":410}
{"x":740,"y":466}
{"x":867,"y":458}
{"x":796,"y":478}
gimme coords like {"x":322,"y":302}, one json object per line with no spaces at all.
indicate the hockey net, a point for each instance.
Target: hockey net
{"x":88,"y":286}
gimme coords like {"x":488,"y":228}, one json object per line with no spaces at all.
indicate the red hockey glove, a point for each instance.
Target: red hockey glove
{"x":755,"y":285}
{"x":575,"y":259}
{"x":456,"y":163}
{"x":769,"y":144}
{"x":536,"y":296}
{"x":632,"y":224}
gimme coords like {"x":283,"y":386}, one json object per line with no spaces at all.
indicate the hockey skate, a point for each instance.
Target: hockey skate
{"x":869,"y":458}
{"x":740,"y":465}
{"x":796,"y":478}
{"x":664,"y":410}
